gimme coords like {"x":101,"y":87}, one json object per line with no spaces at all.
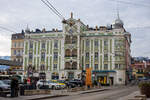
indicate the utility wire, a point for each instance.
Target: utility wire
{"x":6,"y":29}
{"x":132,"y":3}
{"x":137,"y":4}
{"x":55,"y":9}
{"x":52,"y":9}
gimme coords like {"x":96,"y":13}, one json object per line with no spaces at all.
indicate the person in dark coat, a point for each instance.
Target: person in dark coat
{"x":14,"y":87}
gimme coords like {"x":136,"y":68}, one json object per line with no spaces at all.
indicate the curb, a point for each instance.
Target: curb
{"x":47,"y":97}
{"x":94,"y":91}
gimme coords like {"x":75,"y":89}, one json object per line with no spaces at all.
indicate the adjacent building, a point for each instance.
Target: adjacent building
{"x":17,"y":46}
{"x":140,"y":67}
{"x":65,"y":54}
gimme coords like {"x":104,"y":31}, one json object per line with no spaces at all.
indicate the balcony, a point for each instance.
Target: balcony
{"x":70,"y":68}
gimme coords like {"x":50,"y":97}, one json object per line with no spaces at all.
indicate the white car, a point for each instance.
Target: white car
{"x":53,"y":85}
{"x":41,"y":83}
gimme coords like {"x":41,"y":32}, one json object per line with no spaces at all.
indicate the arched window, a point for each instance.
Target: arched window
{"x":74,"y":53}
{"x":67,"y":53}
{"x":67,"y":65}
{"x":74,"y":65}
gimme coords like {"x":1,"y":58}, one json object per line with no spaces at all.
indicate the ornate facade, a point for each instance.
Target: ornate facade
{"x":66,"y":54}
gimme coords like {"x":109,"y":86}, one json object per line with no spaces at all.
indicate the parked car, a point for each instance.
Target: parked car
{"x":61,"y":83}
{"x":76,"y":82}
{"x":53,"y":85}
{"x":41,"y":83}
{"x":7,"y":81}
{"x":4,"y":87}
{"x":50,"y":84}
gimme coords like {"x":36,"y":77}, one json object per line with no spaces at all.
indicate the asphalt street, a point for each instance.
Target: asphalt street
{"x":113,"y":94}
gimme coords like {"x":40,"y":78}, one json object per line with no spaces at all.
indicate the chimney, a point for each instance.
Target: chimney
{"x":43,"y":30}
{"x":53,"y":30}
{"x":96,"y":28}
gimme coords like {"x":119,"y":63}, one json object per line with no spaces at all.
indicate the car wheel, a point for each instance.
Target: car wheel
{"x":53,"y":87}
{"x":38,"y":86}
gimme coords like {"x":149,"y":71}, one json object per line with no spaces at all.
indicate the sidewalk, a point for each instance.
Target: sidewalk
{"x":131,"y":96}
{"x":54,"y":94}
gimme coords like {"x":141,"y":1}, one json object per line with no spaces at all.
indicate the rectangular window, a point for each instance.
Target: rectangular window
{"x":105,"y":66}
{"x":105,"y":56}
{"x":43,"y":45}
{"x":31,"y":44}
{"x":42,"y":56}
{"x":96,"y":43}
{"x":15,"y":44}
{"x":105,"y":42}
{"x":96,"y":55}
{"x":55,"y":55}
{"x":55,"y":66}
{"x":30,"y":56}
{"x":56,"y":44}
{"x":87,"y":43}
{"x":19,"y":44}
{"x":87,"y":55}
{"x":19,"y":53}
{"x":117,"y":66}
{"x":96,"y":66}
{"x":14,"y":52}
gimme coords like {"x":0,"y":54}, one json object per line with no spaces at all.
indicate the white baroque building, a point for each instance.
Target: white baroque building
{"x":66,"y":54}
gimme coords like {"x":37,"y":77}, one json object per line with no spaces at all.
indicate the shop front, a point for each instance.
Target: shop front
{"x":104,"y":77}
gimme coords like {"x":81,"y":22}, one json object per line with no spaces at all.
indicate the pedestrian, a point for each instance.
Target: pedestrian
{"x":12,"y":87}
{"x":16,"y":87}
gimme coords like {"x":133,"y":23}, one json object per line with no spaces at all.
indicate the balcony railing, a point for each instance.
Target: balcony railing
{"x":70,"y":68}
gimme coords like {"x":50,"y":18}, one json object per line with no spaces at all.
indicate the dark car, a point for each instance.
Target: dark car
{"x":74,"y":83}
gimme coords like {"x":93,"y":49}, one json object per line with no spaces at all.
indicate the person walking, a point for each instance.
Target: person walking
{"x":12,"y":87}
{"x":16,"y":87}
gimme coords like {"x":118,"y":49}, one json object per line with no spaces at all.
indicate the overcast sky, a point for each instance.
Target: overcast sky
{"x":16,"y":14}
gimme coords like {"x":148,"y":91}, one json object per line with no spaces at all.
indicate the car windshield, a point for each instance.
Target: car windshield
{"x":7,"y":81}
{"x":2,"y":83}
{"x":51,"y":82}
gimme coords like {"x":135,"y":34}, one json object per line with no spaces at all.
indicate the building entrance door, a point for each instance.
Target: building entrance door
{"x":111,"y":80}
{"x":70,"y":75}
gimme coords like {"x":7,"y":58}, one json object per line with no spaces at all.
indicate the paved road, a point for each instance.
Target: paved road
{"x":113,"y":94}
